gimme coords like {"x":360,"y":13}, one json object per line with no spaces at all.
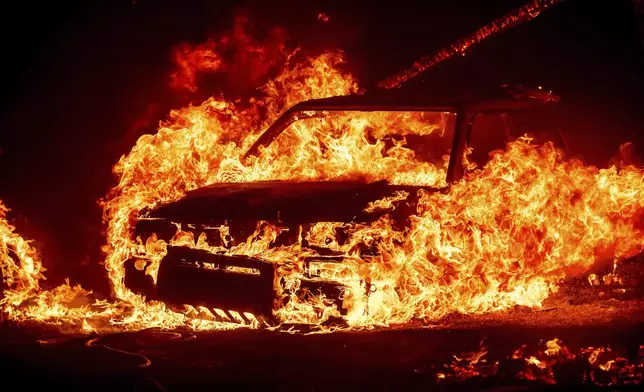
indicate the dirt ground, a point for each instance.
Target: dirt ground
{"x":37,"y":358}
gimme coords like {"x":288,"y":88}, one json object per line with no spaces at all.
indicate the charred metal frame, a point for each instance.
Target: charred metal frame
{"x":466,"y":111}
{"x":217,"y":281}
{"x":182,"y":278}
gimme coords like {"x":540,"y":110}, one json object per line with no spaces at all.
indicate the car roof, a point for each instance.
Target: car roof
{"x":501,"y":98}
{"x":490,"y":100}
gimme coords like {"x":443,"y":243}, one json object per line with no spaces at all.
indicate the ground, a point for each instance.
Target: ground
{"x":38,"y":358}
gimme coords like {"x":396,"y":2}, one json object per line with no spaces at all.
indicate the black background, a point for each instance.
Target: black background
{"x":81,"y":82}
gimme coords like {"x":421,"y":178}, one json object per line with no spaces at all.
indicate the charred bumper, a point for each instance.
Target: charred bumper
{"x":215,"y":281}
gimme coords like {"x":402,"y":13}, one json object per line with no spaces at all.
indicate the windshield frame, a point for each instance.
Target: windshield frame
{"x":464,"y":110}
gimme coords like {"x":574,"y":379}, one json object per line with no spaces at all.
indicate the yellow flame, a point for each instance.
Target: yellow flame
{"x":503,"y":236}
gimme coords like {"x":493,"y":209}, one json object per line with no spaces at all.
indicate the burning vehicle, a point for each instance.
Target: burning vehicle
{"x":309,"y":202}
{"x":319,"y":217}
{"x":461,"y":219}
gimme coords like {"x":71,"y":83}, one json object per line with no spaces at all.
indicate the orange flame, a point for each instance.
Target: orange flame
{"x":505,"y":235}
{"x":20,"y":263}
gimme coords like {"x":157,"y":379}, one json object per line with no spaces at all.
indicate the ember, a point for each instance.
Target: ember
{"x":550,"y":363}
{"x":322,"y":17}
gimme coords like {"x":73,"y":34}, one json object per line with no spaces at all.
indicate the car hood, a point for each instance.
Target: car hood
{"x":278,"y":201}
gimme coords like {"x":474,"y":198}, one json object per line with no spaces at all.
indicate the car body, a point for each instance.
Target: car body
{"x":255,"y":286}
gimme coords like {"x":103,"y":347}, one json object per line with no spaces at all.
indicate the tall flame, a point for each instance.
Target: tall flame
{"x":504,"y":235}
{"x":19,"y":263}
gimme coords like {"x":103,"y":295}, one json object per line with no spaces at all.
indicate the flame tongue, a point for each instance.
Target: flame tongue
{"x":19,"y":263}
{"x":503,"y":236}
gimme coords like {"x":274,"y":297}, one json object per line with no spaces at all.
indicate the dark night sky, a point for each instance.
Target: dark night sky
{"x":76,"y":78}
